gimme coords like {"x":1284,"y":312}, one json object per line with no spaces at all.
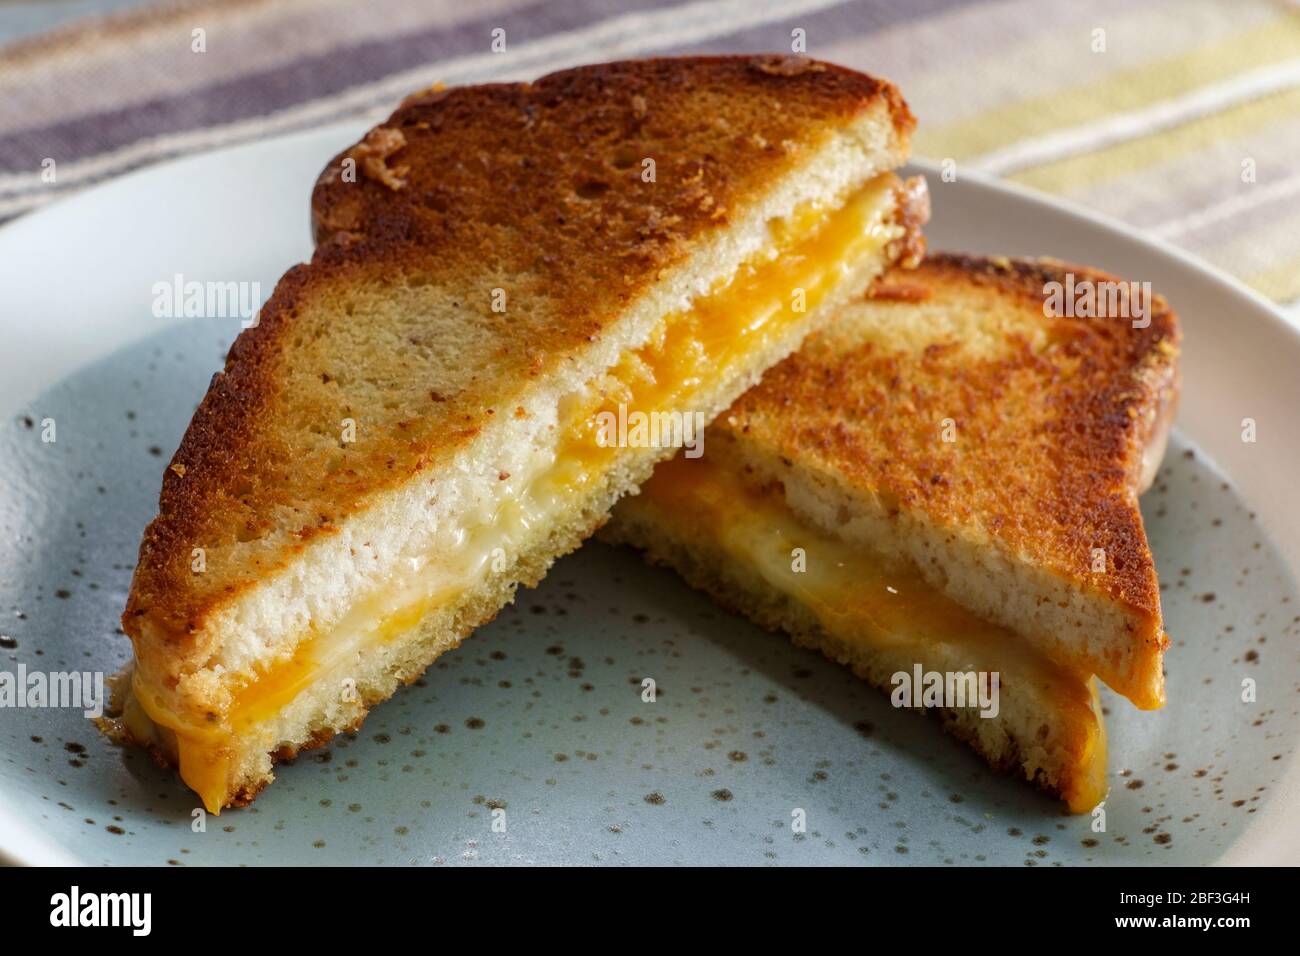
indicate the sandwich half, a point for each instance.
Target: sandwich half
{"x":410,"y":432}
{"x":945,"y":480}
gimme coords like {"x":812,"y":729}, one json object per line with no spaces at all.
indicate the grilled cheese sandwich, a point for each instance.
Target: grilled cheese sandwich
{"x":839,"y":455}
{"x":332,"y":570}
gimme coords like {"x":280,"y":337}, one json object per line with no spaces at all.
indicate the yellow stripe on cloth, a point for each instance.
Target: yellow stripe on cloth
{"x":1091,"y":169}
{"x":1280,"y":283}
{"x":1273,"y":42}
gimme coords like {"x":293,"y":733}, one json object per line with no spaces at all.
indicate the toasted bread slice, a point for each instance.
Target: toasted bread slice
{"x":407,"y":434}
{"x":959,"y":462}
{"x":1001,"y":450}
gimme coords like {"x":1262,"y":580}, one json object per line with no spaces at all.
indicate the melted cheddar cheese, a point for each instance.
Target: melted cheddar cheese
{"x":812,"y":251}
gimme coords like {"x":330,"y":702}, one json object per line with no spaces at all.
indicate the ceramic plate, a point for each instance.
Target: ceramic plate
{"x":540,"y":714}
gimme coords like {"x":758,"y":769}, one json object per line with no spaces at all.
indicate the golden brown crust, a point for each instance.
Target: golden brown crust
{"x":534,"y":187}
{"x":911,"y":212}
{"x":1052,"y":423}
{"x":553,"y":160}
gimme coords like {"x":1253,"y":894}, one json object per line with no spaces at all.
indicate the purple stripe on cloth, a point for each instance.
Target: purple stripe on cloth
{"x":831,"y":25}
{"x":258,"y":94}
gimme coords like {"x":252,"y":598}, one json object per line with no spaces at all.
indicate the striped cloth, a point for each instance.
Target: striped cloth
{"x":1179,"y":117}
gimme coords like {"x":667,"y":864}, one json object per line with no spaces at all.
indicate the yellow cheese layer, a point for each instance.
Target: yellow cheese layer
{"x":864,"y":600}
{"x":810,"y":254}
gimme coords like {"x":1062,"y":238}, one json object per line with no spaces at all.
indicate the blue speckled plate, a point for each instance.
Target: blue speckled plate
{"x":540,"y":715}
